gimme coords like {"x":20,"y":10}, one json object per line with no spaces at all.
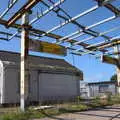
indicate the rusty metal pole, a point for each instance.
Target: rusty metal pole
{"x":116,"y":49}
{"x":24,"y":62}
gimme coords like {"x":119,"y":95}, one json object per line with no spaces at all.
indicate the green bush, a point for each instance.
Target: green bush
{"x":15,"y":116}
{"x":115,"y":99}
{"x":22,"y":116}
{"x":73,"y":108}
{"x":65,"y":108}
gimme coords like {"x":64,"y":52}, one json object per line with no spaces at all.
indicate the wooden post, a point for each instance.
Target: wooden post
{"x":24,"y":62}
{"x":116,"y":49}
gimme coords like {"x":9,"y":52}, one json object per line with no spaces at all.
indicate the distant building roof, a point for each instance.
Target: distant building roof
{"x":43,"y":63}
{"x":102,"y":82}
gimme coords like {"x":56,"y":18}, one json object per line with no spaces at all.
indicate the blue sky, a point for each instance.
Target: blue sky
{"x":94,"y":69}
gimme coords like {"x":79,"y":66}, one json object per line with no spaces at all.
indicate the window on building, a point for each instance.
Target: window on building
{"x":103,"y":88}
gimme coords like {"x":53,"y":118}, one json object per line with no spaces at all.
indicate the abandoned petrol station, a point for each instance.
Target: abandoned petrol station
{"x":30,"y":35}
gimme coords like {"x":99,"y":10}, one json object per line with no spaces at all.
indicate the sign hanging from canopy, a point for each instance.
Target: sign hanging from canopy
{"x":40,"y":46}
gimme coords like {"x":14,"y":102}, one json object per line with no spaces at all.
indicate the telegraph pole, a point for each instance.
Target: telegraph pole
{"x":24,"y":62}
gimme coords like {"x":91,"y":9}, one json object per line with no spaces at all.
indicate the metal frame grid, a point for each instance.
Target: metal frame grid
{"x":74,"y":41}
{"x":70,"y":38}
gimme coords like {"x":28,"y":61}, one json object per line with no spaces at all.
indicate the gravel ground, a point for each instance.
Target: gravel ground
{"x":109,"y":113}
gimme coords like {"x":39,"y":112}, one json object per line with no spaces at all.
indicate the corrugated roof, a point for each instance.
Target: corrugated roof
{"x":102,"y":82}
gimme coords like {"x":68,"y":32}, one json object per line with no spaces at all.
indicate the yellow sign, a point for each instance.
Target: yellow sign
{"x":40,"y":46}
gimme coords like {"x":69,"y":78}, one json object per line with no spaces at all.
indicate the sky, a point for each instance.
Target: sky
{"x":94,"y":70}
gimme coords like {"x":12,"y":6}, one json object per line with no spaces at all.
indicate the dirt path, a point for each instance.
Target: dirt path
{"x":109,"y":113}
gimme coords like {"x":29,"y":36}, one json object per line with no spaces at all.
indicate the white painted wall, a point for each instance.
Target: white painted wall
{"x":64,"y":84}
{"x":1,"y":82}
{"x":33,"y":86}
{"x":42,"y":86}
{"x":11,"y":82}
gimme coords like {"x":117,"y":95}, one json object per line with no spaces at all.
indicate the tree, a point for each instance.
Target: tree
{"x":114,"y":78}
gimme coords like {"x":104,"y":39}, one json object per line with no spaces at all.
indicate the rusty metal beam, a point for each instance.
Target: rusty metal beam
{"x":9,"y":34}
{"x":51,"y":35}
{"x":2,"y":38}
{"x":85,"y":45}
{"x":36,"y":31}
{"x":103,"y":2}
{"x":26,"y":8}
{"x":8,"y":8}
{"x":105,"y":45}
{"x":113,"y":9}
{"x":109,"y":6}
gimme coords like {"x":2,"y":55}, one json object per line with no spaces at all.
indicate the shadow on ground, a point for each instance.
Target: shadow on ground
{"x":110,"y":117}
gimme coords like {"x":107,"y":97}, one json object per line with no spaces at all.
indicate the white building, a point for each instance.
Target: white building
{"x":49,"y":79}
{"x":94,"y":89}
{"x":84,"y":89}
{"x":102,"y":88}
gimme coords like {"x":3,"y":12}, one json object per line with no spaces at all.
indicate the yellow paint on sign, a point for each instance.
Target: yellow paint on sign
{"x":40,"y":46}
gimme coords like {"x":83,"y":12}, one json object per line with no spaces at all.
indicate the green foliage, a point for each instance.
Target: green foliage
{"x":95,"y":102}
{"x":79,"y":99}
{"x":15,"y":116}
{"x":114,"y":78}
{"x":22,"y":116}
{"x":65,"y":108}
{"x":73,"y":108}
{"x":115,"y":99}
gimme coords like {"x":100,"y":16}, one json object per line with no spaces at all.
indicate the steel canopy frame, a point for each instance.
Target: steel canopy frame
{"x":9,"y":7}
{"x":28,"y":31}
{"x":32,"y":3}
{"x":40,"y":16}
{"x":26,"y":8}
{"x":82,"y":14}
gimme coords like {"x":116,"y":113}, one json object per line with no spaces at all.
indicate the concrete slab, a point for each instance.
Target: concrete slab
{"x":109,"y":113}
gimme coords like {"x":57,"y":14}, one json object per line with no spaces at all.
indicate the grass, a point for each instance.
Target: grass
{"x":63,"y":108}
{"x":30,"y":114}
{"x":22,"y":116}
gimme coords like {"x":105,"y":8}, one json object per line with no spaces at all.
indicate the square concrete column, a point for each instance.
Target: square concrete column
{"x":117,"y":49}
{"x":24,"y":63}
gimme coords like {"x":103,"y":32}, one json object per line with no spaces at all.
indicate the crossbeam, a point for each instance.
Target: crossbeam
{"x":51,"y":35}
{"x":100,"y":34}
{"x":9,"y":7}
{"x":112,"y":8}
{"x":26,"y":8}
{"x":108,"y":5}
{"x":101,"y":46}
{"x":106,"y":44}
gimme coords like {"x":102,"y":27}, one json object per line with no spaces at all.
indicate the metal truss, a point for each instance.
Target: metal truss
{"x":30,"y":33}
{"x":70,"y":38}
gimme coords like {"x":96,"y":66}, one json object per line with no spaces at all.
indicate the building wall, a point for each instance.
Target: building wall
{"x":94,"y":90}
{"x":57,"y":86}
{"x":1,"y":81}
{"x":97,"y":90}
{"x":42,"y":86}
{"x":11,"y":82}
{"x":34,"y":85}
{"x":84,"y":89}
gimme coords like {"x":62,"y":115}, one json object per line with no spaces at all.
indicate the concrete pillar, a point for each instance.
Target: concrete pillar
{"x":116,"y":49}
{"x":118,"y":80}
{"x":24,"y":63}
